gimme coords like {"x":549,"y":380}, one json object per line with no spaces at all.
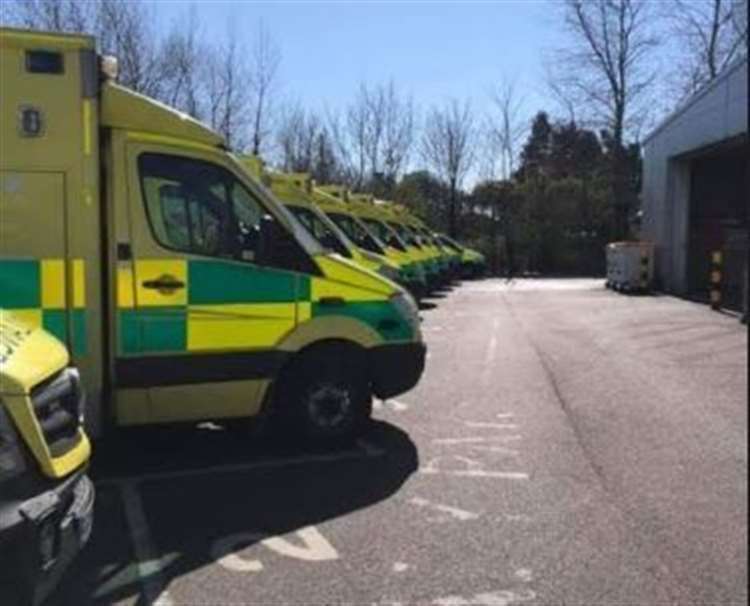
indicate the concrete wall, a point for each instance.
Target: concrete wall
{"x":716,"y":113}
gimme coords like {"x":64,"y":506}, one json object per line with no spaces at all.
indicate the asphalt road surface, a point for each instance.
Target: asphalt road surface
{"x":566,"y":445}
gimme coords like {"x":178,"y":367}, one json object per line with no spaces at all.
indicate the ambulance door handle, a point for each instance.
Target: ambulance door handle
{"x":164,"y":284}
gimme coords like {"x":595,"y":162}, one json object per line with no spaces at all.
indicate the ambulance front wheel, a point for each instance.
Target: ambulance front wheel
{"x":325,"y":394}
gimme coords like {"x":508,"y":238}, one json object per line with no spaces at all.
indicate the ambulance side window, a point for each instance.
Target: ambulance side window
{"x":198,"y":207}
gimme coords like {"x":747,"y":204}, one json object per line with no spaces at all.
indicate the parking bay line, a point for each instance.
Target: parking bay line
{"x":476,"y":439}
{"x":477,"y":473}
{"x":364,"y":450}
{"x":148,"y":564}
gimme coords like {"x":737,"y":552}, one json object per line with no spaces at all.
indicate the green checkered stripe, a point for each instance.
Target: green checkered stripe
{"x":164,"y":329}
{"x":21,"y":291}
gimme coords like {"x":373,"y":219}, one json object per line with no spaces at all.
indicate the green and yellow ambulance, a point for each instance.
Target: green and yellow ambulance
{"x":363,"y":208}
{"x":294,"y":190}
{"x":182,"y":288}
{"x":400,"y":218}
{"x":382,"y":213}
{"x":46,"y":499}
{"x":448,"y":259}
{"x":332,"y":201}
{"x":473,"y":263}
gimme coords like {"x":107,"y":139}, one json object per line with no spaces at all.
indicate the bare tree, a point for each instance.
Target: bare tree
{"x":51,"y":15}
{"x":374,"y":136}
{"x":507,"y":124}
{"x":226,"y":76}
{"x":349,"y":132}
{"x":297,"y":136}
{"x":448,"y":143}
{"x":605,"y":70}
{"x":398,"y":131}
{"x":264,"y":67}
{"x":710,"y":35}
{"x":181,"y":59}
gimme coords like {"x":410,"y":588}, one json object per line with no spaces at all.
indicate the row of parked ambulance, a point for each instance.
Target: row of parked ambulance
{"x":144,"y":265}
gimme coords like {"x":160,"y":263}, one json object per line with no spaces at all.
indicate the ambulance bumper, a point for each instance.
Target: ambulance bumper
{"x":396,"y":368}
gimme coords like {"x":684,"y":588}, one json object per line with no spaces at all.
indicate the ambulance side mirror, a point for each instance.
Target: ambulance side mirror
{"x":269,"y":233}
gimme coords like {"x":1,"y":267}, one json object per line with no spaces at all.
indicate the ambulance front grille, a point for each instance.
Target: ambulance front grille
{"x":56,"y":406}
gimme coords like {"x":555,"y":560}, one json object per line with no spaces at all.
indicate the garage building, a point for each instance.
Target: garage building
{"x":696,"y":189}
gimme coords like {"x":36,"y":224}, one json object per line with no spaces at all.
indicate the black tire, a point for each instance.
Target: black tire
{"x":325,"y":395}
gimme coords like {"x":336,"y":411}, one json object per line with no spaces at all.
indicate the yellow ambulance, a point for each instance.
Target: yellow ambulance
{"x":183,"y":289}
{"x":46,"y":499}
{"x":332,"y":201}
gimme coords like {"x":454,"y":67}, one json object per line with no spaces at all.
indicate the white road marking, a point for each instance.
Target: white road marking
{"x":503,"y":597}
{"x":473,"y":469}
{"x":398,"y":406}
{"x":394,"y":405}
{"x":491,"y":349}
{"x":314,"y":548}
{"x":148,"y":565}
{"x":400,"y":567}
{"x":224,"y":552}
{"x":524,"y":574}
{"x":459,"y":514}
{"x":504,"y":415}
{"x":476,"y":440}
{"x":479,"y":473}
{"x":490,"y":425}
{"x":498,"y":449}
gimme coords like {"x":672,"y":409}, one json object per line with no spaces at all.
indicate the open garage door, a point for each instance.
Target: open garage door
{"x":719,"y":201}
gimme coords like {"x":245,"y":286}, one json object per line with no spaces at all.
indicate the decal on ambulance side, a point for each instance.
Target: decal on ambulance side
{"x":34,"y":290}
{"x":220,"y":306}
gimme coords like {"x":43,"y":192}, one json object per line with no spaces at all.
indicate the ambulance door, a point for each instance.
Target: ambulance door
{"x":201,"y":335}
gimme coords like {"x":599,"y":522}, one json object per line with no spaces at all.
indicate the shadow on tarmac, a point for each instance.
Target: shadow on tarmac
{"x":187,"y":512}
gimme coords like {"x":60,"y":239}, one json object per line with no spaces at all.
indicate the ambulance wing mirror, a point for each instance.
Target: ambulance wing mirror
{"x":270,"y":236}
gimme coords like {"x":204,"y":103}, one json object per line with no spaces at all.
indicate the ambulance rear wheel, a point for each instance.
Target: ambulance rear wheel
{"x":326,"y":396}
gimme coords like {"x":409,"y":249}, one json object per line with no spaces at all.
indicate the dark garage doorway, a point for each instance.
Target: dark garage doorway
{"x":719,"y":211}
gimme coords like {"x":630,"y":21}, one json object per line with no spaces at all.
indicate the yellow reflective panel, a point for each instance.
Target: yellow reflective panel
{"x":125,"y":286}
{"x":53,"y":283}
{"x":304,"y":311}
{"x":322,"y":288}
{"x":79,"y":283}
{"x":30,"y":317}
{"x":238,"y":326}
{"x":150,"y":270}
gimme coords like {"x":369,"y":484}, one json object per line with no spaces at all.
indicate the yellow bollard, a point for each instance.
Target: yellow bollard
{"x":716,"y":260}
{"x":644,"y":271}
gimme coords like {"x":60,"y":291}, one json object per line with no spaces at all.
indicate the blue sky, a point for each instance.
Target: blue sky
{"x":433,"y":50}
